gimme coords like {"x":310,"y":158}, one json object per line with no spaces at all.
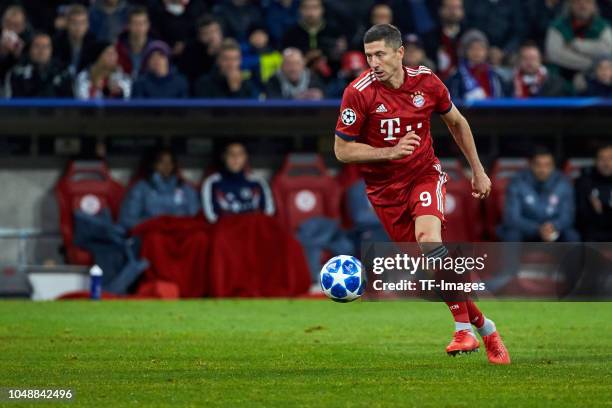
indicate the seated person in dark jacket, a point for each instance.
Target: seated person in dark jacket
{"x":294,"y":80}
{"x":600,"y":82}
{"x":594,"y":198}
{"x":39,"y":76}
{"x":539,"y":203}
{"x":159,"y":79}
{"x":162,"y":192}
{"x":234,"y":190}
{"x":533,"y":79}
{"x":226,"y":80}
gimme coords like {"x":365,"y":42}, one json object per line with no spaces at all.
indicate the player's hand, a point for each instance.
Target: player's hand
{"x":405,"y":147}
{"x":481,"y":185}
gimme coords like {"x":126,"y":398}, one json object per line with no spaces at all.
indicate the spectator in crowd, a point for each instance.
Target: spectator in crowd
{"x":161,"y":192}
{"x":503,"y":22}
{"x":46,"y":16}
{"x":315,"y":37}
{"x":107,"y":19}
{"x":533,"y":79}
{"x":259,"y":57}
{"x":226,"y":80}
{"x":414,"y":16}
{"x":69,"y":45}
{"x":174,"y":21}
{"x":234,"y":190}
{"x":539,"y":203}
{"x":600,"y":81}
{"x":201,"y":52}
{"x":475,"y":79}
{"x":380,"y":13}
{"x":39,"y":76}
{"x":14,"y":37}
{"x":103,"y":77}
{"x":414,"y":53}
{"x":576,"y":39}
{"x":594,"y":198}
{"x":294,"y":80}
{"x":353,"y":64}
{"x":280,"y":15}
{"x":539,"y":15}
{"x":238,"y":17}
{"x":442,"y":44}
{"x":132,"y":43}
{"x":160,"y":79}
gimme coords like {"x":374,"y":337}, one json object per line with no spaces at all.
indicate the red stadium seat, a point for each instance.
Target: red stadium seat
{"x":86,"y":186}
{"x":573,"y":167}
{"x":463,"y":213}
{"x":502,"y":172}
{"x":303,"y":188}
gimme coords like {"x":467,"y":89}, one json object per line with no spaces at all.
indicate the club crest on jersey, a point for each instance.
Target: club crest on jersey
{"x":348,"y":116}
{"x":418,"y":99}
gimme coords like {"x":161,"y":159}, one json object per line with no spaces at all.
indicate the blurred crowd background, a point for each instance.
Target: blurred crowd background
{"x":298,"y":49}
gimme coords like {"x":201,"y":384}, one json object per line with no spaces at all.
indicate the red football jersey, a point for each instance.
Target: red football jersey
{"x":379,"y":116}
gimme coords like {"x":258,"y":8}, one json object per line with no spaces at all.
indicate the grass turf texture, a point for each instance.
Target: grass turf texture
{"x":302,"y":353}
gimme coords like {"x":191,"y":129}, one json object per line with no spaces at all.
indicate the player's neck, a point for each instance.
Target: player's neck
{"x":395,"y":81}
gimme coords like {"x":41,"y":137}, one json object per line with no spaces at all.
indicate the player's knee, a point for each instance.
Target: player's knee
{"x":424,"y":237}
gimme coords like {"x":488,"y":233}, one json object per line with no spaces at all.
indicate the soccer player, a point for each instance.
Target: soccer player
{"x":384,"y":125}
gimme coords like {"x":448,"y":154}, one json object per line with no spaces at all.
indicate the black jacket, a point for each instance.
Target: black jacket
{"x":214,"y":85}
{"x":29,"y":81}
{"x":594,"y":226}
{"x":62,"y":50}
{"x":174,"y":85}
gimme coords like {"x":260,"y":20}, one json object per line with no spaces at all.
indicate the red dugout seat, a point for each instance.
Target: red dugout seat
{"x":462,"y":212}
{"x":303,"y":188}
{"x":89,"y":187}
{"x":502,"y":172}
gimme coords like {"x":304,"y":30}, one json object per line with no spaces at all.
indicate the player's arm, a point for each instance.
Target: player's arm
{"x":460,"y":129}
{"x":354,"y":152}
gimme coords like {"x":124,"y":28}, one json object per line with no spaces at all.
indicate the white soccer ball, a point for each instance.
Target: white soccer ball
{"x":343,"y":279}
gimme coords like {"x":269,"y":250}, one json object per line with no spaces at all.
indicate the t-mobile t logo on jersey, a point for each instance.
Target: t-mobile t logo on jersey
{"x":388,"y":128}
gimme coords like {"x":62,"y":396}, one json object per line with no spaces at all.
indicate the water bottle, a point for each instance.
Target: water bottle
{"x":95,"y":273}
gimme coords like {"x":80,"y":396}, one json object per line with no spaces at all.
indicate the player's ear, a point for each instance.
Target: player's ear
{"x":400,"y":50}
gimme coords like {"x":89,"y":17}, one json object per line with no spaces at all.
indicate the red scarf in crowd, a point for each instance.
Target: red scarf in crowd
{"x":526,"y":85}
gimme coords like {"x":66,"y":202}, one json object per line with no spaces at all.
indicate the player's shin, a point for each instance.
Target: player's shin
{"x":455,"y":300}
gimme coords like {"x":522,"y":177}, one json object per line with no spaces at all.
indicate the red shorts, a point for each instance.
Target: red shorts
{"x":426,"y":196}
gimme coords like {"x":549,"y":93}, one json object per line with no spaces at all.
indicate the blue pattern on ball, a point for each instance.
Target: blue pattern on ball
{"x":326,"y":281}
{"x":338,"y":291}
{"x":352,"y":283}
{"x":333,"y":267}
{"x":361,"y":288}
{"x":349,"y":267}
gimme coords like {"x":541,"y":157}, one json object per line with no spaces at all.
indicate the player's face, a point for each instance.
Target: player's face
{"x":383,"y":59}
{"x":542,"y":166}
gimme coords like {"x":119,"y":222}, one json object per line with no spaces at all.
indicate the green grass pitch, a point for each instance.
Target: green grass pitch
{"x":302,"y":353}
